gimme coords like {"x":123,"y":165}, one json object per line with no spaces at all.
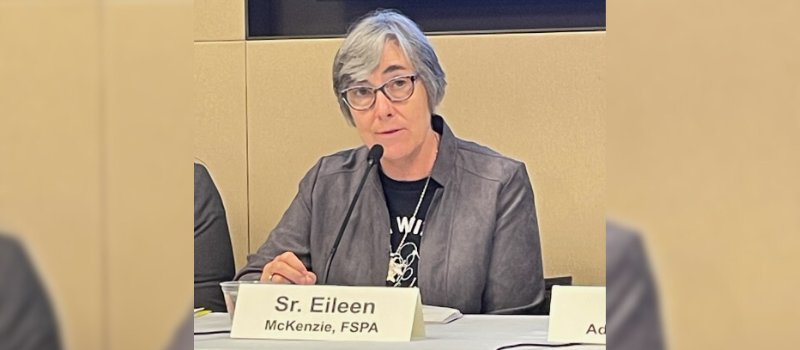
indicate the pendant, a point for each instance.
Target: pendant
{"x":397,"y":267}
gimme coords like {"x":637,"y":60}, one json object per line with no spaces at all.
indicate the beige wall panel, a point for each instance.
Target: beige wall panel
{"x":41,"y":4}
{"x":148,"y":97}
{"x":538,"y":98}
{"x":293,"y":119}
{"x":216,"y":20}
{"x":220,"y":136}
{"x":49,"y":138}
{"x":703,"y":158}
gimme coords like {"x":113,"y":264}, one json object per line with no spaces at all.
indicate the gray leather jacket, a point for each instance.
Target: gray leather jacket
{"x":480,"y":252}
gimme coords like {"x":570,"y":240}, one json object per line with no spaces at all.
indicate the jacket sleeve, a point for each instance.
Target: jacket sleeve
{"x":292,"y":234}
{"x":515,"y":284}
{"x":213,"y":254}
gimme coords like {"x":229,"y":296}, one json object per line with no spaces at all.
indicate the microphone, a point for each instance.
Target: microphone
{"x":375,"y":154}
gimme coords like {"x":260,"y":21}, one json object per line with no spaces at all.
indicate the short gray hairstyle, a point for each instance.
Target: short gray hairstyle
{"x":361,"y":51}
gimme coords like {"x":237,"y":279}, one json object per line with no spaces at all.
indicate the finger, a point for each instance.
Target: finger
{"x":311,"y":277}
{"x":286,"y":271}
{"x":269,"y":275}
{"x":277,"y":279}
{"x":292,"y":260}
{"x":266,"y":273}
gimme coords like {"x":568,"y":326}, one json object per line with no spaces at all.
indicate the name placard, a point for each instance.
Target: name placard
{"x":281,"y":311}
{"x":578,"y":315}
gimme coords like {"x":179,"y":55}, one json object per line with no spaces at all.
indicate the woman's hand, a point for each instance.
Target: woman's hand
{"x":287,"y":268}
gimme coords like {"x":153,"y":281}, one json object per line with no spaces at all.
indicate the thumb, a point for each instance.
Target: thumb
{"x":311,"y":277}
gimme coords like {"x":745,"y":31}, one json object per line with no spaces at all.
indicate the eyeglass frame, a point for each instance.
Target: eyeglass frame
{"x":412,"y":77}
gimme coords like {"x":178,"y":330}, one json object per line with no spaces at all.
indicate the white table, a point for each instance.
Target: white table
{"x":486,"y":332}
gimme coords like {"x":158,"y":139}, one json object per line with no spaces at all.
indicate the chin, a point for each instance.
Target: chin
{"x":392,"y":153}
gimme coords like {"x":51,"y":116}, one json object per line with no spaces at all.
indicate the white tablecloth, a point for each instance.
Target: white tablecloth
{"x":469,"y":332}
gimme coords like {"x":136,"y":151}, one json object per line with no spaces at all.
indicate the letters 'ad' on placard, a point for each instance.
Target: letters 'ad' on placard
{"x":578,"y":315}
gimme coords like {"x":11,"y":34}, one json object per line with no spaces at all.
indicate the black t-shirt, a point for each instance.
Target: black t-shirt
{"x":406,"y":230}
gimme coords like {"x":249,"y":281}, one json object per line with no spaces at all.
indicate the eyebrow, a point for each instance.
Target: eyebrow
{"x":392,"y":68}
{"x":389,"y":69}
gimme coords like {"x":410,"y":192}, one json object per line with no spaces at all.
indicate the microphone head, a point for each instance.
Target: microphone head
{"x":375,"y":154}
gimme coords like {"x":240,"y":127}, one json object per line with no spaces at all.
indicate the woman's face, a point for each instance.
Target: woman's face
{"x":400,"y":127}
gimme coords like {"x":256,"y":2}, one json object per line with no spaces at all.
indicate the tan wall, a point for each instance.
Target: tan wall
{"x":220,"y":138}
{"x":92,"y":178}
{"x":51,"y":165}
{"x":536,"y":97}
{"x":146,"y":104}
{"x":703,"y":158}
{"x":220,"y":110}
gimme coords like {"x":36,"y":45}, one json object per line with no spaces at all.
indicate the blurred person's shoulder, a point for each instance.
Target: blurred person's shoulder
{"x":10,"y":250}
{"x":621,"y":234}
{"x":202,"y":178}
{"x":26,"y":306}
{"x":207,"y":199}
{"x":631,"y":292}
{"x":8,"y":241}
{"x":15,"y":264}
{"x":621,"y":241}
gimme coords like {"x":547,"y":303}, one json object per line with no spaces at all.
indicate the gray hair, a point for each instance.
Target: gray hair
{"x":361,"y":51}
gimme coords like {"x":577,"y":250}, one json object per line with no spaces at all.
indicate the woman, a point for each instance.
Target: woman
{"x":453,"y":218}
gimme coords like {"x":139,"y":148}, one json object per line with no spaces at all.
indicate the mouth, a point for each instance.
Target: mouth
{"x":388,"y":132}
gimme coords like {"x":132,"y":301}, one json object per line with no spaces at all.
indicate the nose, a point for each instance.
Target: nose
{"x":383,"y":106}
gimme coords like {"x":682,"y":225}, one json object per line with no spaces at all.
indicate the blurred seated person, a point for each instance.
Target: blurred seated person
{"x":26,"y":317}
{"x":632,"y":309}
{"x":183,"y":338}
{"x":213,"y":255}
{"x":449,"y":216}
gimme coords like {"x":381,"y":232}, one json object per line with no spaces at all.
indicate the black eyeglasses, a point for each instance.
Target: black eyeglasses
{"x":362,"y":98}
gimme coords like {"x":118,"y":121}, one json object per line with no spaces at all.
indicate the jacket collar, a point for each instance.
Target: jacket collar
{"x":445,"y":163}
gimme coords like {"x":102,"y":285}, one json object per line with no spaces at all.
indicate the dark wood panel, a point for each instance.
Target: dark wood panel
{"x":330,"y":18}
